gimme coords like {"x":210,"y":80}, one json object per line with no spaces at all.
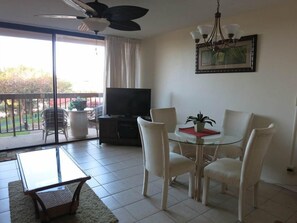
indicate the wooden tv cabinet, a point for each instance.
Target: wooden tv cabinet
{"x":119,"y":131}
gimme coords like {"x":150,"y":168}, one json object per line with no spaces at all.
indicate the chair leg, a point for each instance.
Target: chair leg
{"x":223,"y":188}
{"x":191,"y":184}
{"x":165,"y":193}
{"x":46,"y":134}
{"x":97,"y":130}
{"x":172,"y":179}
{"x":205,"y":190}
{"x":216,"y":153}
{"x":255,"y":192}
{"x":145,"y":182}
{"x":66,"y":133}
{"x":241,"y":204}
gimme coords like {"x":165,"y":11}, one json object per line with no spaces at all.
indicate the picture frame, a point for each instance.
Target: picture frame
{"x":240,"y":57}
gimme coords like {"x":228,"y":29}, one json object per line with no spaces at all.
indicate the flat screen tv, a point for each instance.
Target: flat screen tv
{"x":128,"y":102}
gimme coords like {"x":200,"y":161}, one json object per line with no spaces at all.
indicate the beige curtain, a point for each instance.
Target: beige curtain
{"x":122,"y":62}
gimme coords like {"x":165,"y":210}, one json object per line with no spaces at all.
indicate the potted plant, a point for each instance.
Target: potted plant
{"x":79,"y":103}
{"x":199,"y":121}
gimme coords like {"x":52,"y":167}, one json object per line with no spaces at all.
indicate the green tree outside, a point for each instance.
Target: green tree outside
{"x":24,"y":79}
{"x":27,"y":80}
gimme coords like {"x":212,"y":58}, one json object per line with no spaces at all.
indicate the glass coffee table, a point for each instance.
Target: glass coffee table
{"x":45,"y":175}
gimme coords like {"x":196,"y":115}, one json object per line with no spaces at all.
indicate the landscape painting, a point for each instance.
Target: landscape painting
{"x":239,"y":57}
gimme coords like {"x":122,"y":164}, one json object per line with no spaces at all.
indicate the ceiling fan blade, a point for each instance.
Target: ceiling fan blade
{"x":124,"y":25}
{"x":124,"y":13}
{"x":98,"y":7}
{"x":61,"y":16}
{"x":81,"y":6}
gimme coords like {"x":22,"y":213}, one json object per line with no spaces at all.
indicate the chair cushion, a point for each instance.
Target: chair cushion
{"x":230,"y":151}
{"x":188,"y":150}
{"x":225,"y":170}
{"x":179,"y":164}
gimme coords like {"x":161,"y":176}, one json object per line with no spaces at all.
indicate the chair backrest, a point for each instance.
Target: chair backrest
{"x":237,"y":123}
{"x":98,"y":111}
{"x":48,"y":116}
{"x":166,"y":116}
{"x":154,"y":140}
{"x":256,"y":150}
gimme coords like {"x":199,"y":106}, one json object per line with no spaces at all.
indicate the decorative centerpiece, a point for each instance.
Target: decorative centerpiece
{"x":79,"y":104}
{"x":199,"y":121}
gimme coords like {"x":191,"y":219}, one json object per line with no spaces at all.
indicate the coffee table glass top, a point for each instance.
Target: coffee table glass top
{"x":47,"y":168}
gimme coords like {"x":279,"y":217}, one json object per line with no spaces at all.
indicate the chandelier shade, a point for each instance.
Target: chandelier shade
{"x":216,"y":37}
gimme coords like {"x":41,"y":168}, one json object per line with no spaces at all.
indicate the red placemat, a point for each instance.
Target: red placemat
{"x":205,"y":132}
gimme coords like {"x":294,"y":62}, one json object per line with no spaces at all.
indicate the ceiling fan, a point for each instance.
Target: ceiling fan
{"x":98,"y":16}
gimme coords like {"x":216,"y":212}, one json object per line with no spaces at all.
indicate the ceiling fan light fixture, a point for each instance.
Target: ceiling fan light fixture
{"x":98,"y":16}
{"x":96,"y":24}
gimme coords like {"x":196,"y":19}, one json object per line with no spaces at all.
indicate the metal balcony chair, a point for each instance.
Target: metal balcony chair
{"x":94,"y":117}
{"x":48,"y":122}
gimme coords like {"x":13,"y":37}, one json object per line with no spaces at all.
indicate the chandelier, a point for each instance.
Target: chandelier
{"x":213,"y":36}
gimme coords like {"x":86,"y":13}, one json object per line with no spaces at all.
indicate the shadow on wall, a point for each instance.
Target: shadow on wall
{"x":261,"y":121}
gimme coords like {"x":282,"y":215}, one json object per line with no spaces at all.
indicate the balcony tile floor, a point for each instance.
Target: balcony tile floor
{"x":117,"y":180}
{"x":35,"y":138}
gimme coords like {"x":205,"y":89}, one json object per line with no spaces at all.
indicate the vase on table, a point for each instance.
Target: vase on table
{"x":199,"y":126}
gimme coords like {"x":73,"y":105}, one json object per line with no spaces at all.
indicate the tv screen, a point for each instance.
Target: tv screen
{"x":128,"y":102}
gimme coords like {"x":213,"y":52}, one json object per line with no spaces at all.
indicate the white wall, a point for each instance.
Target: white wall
{"x":168,"y":64}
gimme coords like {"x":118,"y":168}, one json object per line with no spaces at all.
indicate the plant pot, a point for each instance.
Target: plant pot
{"x":199,"y":126}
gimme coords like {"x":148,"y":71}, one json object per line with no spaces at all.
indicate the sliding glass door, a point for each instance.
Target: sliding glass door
{"x":26,"y":86}
{"x":40,"y":75}
{"x":79,"y":69}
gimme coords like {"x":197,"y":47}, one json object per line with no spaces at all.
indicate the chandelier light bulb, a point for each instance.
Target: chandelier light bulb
{"x":231,"y":30}
{"x":238,"y":35}
{"x":196,"y":35}
{"x":205,"y":30}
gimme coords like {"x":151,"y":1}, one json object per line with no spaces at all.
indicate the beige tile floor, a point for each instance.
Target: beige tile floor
{"x":117,"y":180}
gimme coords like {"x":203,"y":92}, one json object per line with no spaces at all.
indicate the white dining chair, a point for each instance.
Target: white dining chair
{"x":159,"y":161}
{"x":241,"y":174}
{"x":235,"y":123}
{"x":169,"y":118}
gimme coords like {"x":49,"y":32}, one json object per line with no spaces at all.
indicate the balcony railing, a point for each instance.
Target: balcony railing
{"x":22,"y":112}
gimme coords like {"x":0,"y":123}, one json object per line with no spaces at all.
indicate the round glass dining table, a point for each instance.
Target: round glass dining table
{"x":199,"y":142}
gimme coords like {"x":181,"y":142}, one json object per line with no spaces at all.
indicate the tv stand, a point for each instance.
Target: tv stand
{"x":119,"y":130}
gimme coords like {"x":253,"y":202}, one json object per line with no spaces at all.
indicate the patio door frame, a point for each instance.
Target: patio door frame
{"x":53,"y":33}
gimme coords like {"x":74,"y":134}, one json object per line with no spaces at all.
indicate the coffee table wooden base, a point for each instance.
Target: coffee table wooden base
{"x":51,"y":204}
{"x":50,"y":201}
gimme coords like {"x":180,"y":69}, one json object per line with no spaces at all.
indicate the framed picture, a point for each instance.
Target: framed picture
{"x":240,"y":57}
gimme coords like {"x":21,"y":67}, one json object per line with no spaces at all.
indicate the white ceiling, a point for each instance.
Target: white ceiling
{"x":163,"y":15}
